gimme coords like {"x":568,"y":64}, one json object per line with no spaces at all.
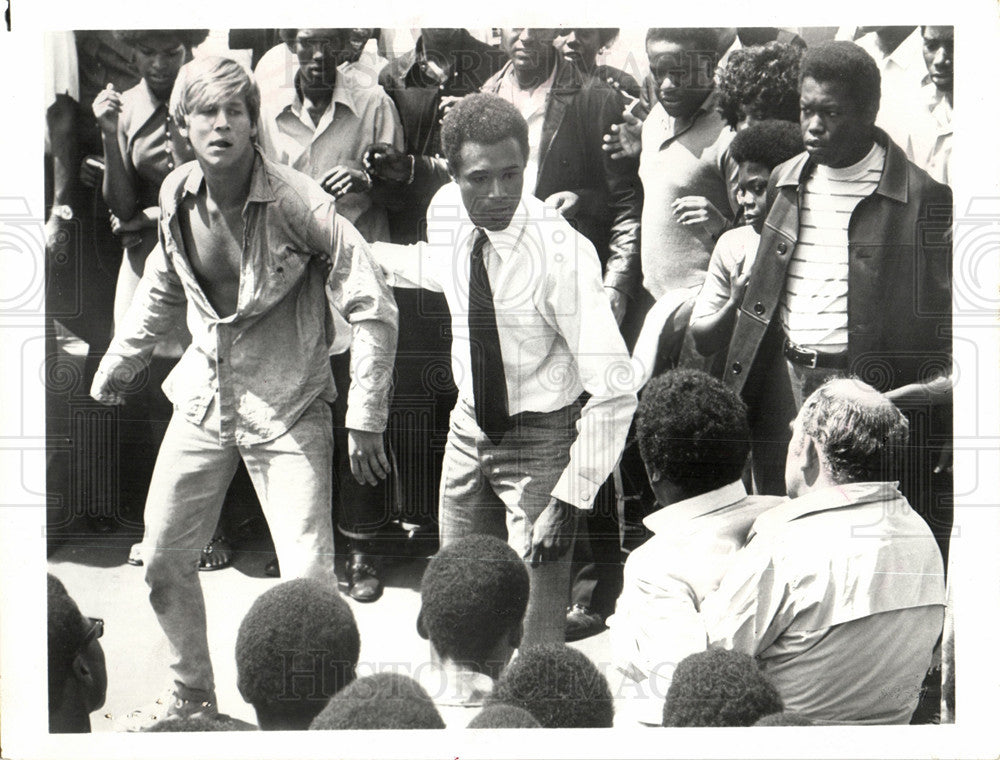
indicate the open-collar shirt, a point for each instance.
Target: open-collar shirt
{"x":265,"y":363}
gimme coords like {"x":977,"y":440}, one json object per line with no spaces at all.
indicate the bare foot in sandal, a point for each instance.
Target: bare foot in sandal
{"x":217,"y":554}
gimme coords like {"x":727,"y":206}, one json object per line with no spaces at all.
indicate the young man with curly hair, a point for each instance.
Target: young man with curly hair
{"x":472,"y":601}
{"x":694,"y":439}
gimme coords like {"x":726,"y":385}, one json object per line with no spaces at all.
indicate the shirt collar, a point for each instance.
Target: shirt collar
{"x":909,"y":52}
{"x":260,"y":187}
{"x":824,"y":500}
{"x":697,"y":506}
{"x":892,"y":184}
{"x":290,"y":98}
{"x":677,"y":127}
{"x":461,"y":686}
{"x":144,"y":106}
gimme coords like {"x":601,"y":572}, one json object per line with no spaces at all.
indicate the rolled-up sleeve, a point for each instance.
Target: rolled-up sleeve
{"x":157,"y":307}
{"x":358,"y":291}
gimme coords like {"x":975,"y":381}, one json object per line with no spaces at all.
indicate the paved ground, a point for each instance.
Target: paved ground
{"x":104,"y":585}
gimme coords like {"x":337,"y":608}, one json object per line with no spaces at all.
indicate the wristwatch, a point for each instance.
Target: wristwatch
{"x":63,"y":212}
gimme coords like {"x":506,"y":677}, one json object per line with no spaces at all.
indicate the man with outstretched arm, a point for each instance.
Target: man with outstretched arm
{"x":532,"y":331}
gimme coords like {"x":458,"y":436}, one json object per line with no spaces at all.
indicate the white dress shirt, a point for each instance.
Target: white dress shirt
{"x":558,"y":336}
{"x":839,"y":595}
{"x":656,"y":622}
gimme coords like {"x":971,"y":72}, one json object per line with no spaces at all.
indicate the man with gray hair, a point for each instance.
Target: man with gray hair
{"x":839,"y":592}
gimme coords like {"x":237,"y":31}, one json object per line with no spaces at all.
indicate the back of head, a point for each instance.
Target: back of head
{"x":473,"y":593}
{"x":767,"y":143}
{"x":499,"y":715}
{"x":66,"y":632}
{"x":784,"y":718}
{"x":212,"y":80}
{"x":761,"y":82}
{"x":183,"y":725}
{"x":297,"y":646}
{"x":693,"y":430}
{"x":719,"y":687}
{"x":481,"y":118}
{"x":848,"y":65}
{"x":559,"y":686}
{"x":381,"y":701}
{"x":860,"y":433}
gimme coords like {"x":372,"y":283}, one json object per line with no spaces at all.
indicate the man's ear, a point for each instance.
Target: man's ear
{"x":452,"y":171}
{"x":421,"y":628}
{"x":812,"y":463}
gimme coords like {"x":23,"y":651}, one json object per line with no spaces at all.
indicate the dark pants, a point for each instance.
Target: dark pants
{"x":358,"y":510}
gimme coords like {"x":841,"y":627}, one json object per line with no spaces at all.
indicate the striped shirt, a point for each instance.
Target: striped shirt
{"x":814,"y":304}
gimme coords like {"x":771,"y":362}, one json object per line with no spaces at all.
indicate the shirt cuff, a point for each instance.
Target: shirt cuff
{"x":365,"y":418}
{"x":576,"y":490}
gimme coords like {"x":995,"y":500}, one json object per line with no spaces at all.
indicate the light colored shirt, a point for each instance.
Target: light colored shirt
{"x":679,"y":158}
{"x":557,"y":334}
{"x":656,"y":622}
{"x":531,"y":104}
{"x":267,"y":362}
{"x":458,"y":694}
{"x":734,"y":255}
{"x":903,"y":71}
{"x":839,"y":595}
{"x":62,"y":75}
{"x":813,"y":306}
{"x":928,"y":143}
{"x":356,"y":117}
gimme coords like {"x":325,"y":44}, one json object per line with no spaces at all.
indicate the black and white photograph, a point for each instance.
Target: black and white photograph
{"x":408,"y":381}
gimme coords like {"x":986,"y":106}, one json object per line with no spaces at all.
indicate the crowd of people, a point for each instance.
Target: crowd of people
{"x":532,"y":314}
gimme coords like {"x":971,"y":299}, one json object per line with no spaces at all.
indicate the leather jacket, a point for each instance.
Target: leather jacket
{"x":899,"y":278}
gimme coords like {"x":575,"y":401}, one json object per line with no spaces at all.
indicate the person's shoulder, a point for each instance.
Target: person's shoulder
{"x":291,"y":185}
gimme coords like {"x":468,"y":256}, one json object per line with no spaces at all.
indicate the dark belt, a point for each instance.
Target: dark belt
{"x":806,"y":357}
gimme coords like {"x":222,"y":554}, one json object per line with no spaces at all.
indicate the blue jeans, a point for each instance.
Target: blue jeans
{"x":501,"y":490}
{"x":292,"y":475}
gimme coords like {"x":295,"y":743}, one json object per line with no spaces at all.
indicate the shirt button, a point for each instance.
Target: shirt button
{"x":758,"y":308}
{"x":737,"y":368}
{"x":782,"y":249}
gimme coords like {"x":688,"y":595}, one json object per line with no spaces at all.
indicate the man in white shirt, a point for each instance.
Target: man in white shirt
{"x":532,"y":331}
{"x":694,"y":439}
{"x":839,"y":592}
{"x":928,"y":144}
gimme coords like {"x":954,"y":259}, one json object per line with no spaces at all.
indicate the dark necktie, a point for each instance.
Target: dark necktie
{"x":489,"y":384}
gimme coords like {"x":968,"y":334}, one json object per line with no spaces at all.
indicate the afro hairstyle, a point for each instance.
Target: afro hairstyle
{"x":297,"y":647}
{"x":700,"y":39}
{"x":719,"y":687}
{"x":188,"y":37}
{"x":380,"y":701}
{"x":693,"y":430}
{"x":768,"y":143}
{"x":499,"y":715}
{"x":849,"y":66}
{"x":559,"y":685}
{"x":484,"y":119}
{"x":761,"y":82}
{"x":67,"y":629}
{"x":473,"y":593}
{"x":198,"y":723}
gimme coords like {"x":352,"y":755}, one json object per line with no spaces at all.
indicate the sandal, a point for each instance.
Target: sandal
{"x":217,"y":554}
